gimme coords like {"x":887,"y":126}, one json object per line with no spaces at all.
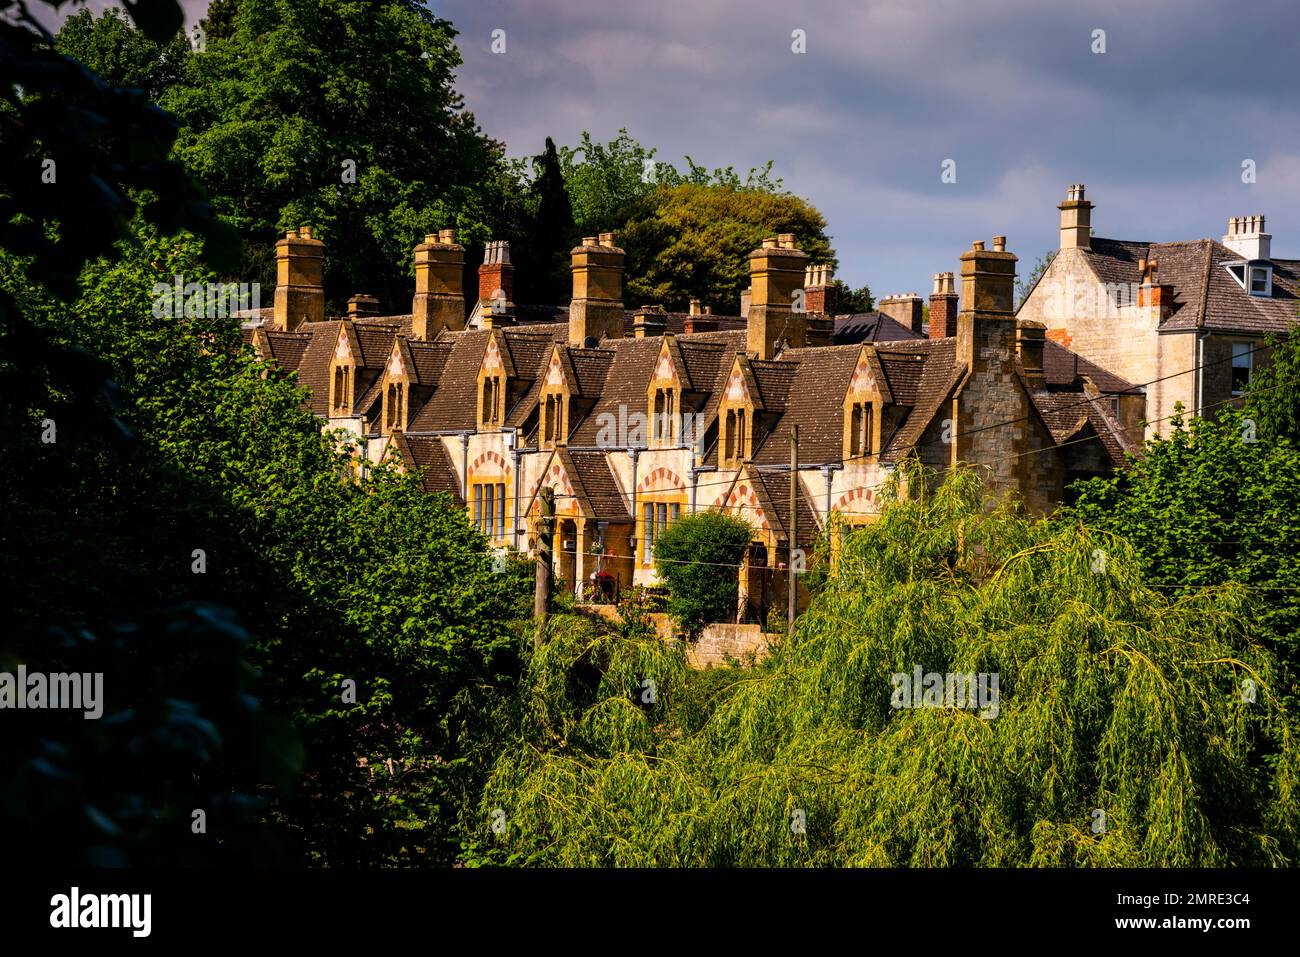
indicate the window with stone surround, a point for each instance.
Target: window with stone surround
{"x":489,"y":505}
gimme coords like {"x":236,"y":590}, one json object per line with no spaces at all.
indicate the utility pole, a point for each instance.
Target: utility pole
{"x":542,"y":579}
{"x":793,"y":597}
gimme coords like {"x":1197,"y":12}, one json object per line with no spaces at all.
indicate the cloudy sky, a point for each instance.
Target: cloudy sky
{"x":1157,"y":126}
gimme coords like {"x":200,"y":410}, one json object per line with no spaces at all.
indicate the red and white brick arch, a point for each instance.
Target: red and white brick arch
{"x":854,"y":501}
{"x":744,"y":500}
{"x":558,"y":481}
{"x":489,"y":464}
{"x":661,"y":480}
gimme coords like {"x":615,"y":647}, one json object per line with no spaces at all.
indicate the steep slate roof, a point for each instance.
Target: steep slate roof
{"x":707,"y":359}
{"x":1206,"y":296}
{"x":904,"y":370}
{"x":591,"y":366}
{"x":429,"y":359}
{"x":1065,"y":369}
{"x":428,"y":454}
{"x":454,"y":406}
{"x":287,"y":348}
{"x":821,"y":379}
{"x":530,"y":348}
{"x":1067,"y":414}
{"x":774,"y":379}
{"x":773,"y":490}
{"x":632,"y":363}
{"x":870,"y":327}
{"x":375,"y":341}
{"x":314,"y":367}
{"x":595,"y":485}
{"x":940,"y":373}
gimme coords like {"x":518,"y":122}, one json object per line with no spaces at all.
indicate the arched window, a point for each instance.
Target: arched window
{"x":734,"y":445}
{"x":490,"y":416}
{"x":553,"y":419}
{"x":395,"y":417}
{"x":861,"y":436}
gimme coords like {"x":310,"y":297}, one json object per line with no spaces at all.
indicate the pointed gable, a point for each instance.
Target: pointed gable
{"x":559,"y":373}
{"x":345,"y":349}
{"x":741,"y":387}
{"x":869,"y":380}
{"x":398,"y":365}
{"x":496,"y":360}
{"x":670,"y":368}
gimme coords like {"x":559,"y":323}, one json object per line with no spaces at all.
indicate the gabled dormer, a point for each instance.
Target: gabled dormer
{"x":1256,"y":277}
{"x":494,"y":376}
{"x":1246,"y":237}
{"x":397,"y":391}
{"x":555,"y":400}
{"x":668,"y":381}
{"x":343,"y":372}
{"x":864,"y":406}
{"x":737,"y":405}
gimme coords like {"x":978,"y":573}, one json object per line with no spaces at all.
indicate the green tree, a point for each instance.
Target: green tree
{"x":1119,"y":735}
{"x":693,"y":241}
{"x":408,"y":620}
{"x":1218,"y":500}
{"x":120,"y":54}
{"x":850,"y":300}
{"x":603,"y":180}
{"x":698,"y":557}
{"x":181,"y":728}
{"x":342,"y":115}
{"x":541,"y":250}
{"x":687,"y":233}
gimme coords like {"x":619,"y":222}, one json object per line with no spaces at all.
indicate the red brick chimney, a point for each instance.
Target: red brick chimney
{"x":819,"y":294}
{"x":496,"y":277}
{"x":943,"y":307}
{"x":1152,"y":293}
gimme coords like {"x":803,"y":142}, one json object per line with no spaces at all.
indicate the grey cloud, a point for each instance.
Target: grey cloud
{"x":1157,"y":126}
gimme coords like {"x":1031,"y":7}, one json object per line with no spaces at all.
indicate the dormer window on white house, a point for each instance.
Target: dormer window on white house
{"x":1254,"y":277}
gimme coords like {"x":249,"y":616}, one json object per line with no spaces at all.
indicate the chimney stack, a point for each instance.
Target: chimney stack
{"x":1246,"y":237}
{"x":745,"y":297}
{"x":907,"y":308}
{"x":994,"y":410}
{"x":496,"y":277}
{"x":362,"y":305}
{"x":1076,"y":219}
{"x":986,"y":325}
{"x":649,"y":322}
{"x":1032,"y":337}
{"x":299,"y":285}
{"x":496,"y":286}
{"x":596,"y":310}
{"x":943,"y":307}
{"x":819,"y":294}
{"x":776,"y":270}
{"x":1152,"y":293}
{"x":439,"y":296}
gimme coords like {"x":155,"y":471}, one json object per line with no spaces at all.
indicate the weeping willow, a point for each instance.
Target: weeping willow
{"x":1131,"y":729}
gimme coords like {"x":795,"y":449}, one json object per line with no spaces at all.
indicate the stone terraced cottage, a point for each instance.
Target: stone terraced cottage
{"x":635,"y":417}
